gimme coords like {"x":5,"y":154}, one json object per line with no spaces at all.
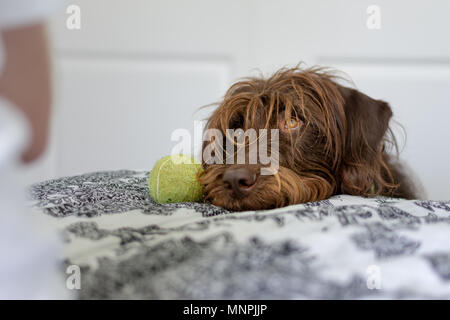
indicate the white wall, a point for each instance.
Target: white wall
{"x":138,"y":69}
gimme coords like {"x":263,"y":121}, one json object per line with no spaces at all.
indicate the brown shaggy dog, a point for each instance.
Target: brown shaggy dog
{"x":332,"y":140}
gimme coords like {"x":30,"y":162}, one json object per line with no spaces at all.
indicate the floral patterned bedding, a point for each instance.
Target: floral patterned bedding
{"x":345,"y":247}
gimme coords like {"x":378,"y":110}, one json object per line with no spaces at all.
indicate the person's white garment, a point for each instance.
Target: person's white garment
{"x":28,"y":256}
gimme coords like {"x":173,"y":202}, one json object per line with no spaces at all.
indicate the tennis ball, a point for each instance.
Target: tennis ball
{"x":174,"y":179}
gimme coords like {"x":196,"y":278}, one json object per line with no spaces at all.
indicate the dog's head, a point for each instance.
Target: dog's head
{"x":331,"y":139}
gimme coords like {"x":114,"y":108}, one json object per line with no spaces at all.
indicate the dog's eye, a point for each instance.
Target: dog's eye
{"x":291,"y":124}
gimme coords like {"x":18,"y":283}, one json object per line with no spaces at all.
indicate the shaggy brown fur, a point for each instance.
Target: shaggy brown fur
{"x":340,"y":144}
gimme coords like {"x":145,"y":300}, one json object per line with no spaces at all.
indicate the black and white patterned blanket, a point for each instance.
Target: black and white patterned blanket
{"x":346,"y":247}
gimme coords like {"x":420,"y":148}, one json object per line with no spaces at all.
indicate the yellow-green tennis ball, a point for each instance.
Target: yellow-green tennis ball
{"x":174,"y":179}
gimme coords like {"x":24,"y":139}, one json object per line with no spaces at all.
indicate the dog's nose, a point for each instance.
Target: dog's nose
{"x":240,"y":180}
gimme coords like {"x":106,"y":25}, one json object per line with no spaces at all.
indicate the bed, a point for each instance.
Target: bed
{"x":346,"y":247}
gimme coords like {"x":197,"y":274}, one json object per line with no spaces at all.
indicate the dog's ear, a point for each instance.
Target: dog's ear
{"x":364,"y":169}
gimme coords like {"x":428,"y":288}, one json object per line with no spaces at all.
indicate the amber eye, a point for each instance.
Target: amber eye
{"x":291,"y":124}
